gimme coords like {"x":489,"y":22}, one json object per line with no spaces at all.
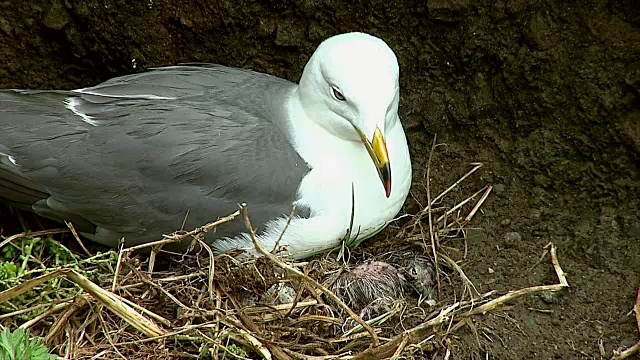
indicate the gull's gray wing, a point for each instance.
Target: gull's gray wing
{"x":137,"y":155}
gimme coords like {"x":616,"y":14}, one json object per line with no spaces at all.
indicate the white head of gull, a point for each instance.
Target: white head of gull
{"x":344,"y":123}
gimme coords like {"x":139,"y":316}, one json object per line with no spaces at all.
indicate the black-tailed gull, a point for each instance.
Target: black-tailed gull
{"x":145,"y":154}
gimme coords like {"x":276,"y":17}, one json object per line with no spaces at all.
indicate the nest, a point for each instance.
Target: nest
{"x":367,"y":304}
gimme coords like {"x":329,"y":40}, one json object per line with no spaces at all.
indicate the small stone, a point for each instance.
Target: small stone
{"x":549,"y":297}
{"x":632,"y":78}
{"x":6,"y":27}
{"x":246,"y":300}
{"x":279,"y":294}
{"x":505,"y":222}
{"x":541,"y":180}
{"x":57,"y":16}
{"x":499,"y":188}
{"x":289,"y":33}
{"x":535,"y":215}
{"x":512,"y":237}
{"x":449,"y":10}
{"x":186,"y":22}
{"x":634,"y":231}
{"x":491,"y":271}
{"x":627,"y":343}
{"x":475,"y":234}
{"x":266,"y":26}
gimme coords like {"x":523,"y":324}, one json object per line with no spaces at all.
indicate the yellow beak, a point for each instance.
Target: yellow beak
{"x":377,"y":149}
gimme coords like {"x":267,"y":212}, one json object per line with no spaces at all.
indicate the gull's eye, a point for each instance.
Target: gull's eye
{"x":337,"y":94}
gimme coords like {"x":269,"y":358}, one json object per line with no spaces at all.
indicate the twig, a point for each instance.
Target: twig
{"x":477,"y":166}
{"x":150,"y":282}
{"x":31,"y":234}
{"x":415,"y":334}
{"x":149,"y":313}
{"x":464,"y":277}
{"x":179,"y":237}
{"x":401,"y":346}
{"x":245,"y":338}
{"x":212,"y":266}
{"x":617,"y":355}
{"x":54,"y":309}
{"x":478,"y":204}
{"x":31,"y":308}
{"x":517,"y":293}
{"x":152,"y":257}
{"x":62,"y":321}
{"x":116,"y":272}
{"x":113,"y":303}
{"x":107,"y":335}
{"x":556,"y":265}
{"x":286,"y":226}
{"x":459,"y":205}
{"x":636,"y":309}
{"x":374,"y":338}
{"x":28,"y":285}
{"x":75,"y":236}
{"x":280,"y":307}
{"x":626,"y":353}
{"x":510,"y":296}
{"x":432,"y":236}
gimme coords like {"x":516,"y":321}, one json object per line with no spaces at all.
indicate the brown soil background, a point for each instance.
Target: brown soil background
{"x":544,"y":93}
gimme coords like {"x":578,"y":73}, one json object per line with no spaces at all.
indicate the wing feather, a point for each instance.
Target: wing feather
{"x":176,"y":142}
